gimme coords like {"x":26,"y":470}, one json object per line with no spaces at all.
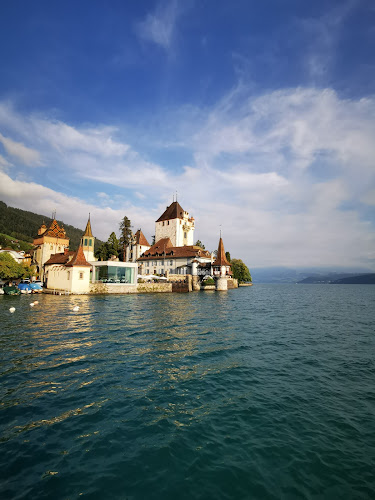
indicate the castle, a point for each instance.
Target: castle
{"x":173,"y":256}
{"x":174,"y":252}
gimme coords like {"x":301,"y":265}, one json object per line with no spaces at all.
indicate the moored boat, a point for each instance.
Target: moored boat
{"x":11,"y":290}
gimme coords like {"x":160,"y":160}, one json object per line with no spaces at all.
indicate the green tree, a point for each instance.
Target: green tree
{"x":240,"y":271}
{"x":227,"y":256}
{"x":125,"y":235}
{"x":109,"y":248}
{"x":113,"y":245}
{"x":198,"y":243}
{"x":9,"y":268}
{"x":102,"y":253}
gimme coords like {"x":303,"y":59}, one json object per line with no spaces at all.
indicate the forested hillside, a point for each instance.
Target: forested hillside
{"x":24,"y":225}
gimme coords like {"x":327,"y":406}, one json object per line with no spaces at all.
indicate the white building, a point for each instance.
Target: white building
{"x":175,"y":224}
{"x":164,"y":258}
{"x":19,"y":257}
{"x":50,"y":241}
{"x":137,"y":247}
{"x":68,"y":271}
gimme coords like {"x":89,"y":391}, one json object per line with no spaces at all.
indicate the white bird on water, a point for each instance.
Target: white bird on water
{"x":12,"y":309}
{"x":36,"y":302}
{"x":32,"y":304}
{"x":76,"y":308}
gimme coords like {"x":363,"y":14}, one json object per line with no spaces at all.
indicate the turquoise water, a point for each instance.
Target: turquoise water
{"x":263,"y":392}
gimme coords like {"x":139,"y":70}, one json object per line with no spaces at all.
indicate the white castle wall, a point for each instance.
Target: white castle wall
{"x":179,"y":231}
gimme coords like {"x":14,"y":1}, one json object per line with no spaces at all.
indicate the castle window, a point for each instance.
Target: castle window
{"x":184,"y":235}
{"x":163,"y":223}
{"x":168,"y":223}
{"x":68,"y":275}
{"x":171,"y":271}
{"x":171,"y":262}
{"x":147,"y":264}
{"x":85,"y":242}
{"x":51,"y":247}
{"x":90,"y":242}
{"x":81,"y":276}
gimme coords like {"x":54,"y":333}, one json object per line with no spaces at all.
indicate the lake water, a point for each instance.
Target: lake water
{"x":264,"y":392}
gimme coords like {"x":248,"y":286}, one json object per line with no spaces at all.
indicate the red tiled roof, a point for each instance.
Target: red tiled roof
{"x":174,"y":211}
{"x":59,"y":258}
{"x":54,"y":231}
{"x":221,"y":260}
{"x":140,"y":239}
{"x":164,"y":248}
{"x":78,"y":259}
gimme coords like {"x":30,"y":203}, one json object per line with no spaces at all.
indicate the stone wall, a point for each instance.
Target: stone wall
{"x":154,"y":287}
{"x":232,"y":283}
{"x":221,"y":284}
{"x":103,"y":288}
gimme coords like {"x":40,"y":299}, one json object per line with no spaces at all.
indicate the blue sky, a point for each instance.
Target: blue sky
{"x":260,"y":114}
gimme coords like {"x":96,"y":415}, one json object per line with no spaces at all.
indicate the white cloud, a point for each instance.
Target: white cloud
{"x":72,"y":210}
{"x":275,"y":171}
{"x":18,"y":150}
{"x":95,"y":141}
{"x":158,"y":27}
{"x":4,"y":162}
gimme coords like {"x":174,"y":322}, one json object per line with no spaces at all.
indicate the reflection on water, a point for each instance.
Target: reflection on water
{"x":245,"y":394}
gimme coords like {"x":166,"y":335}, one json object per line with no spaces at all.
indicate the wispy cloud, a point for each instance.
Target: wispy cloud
{"x":19,"y":151}
{"x":321,"y":36}
{"x":158,"y":27}
{"x":287,"y":174}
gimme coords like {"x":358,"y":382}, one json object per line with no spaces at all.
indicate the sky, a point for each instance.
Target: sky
{"x":260,"y":115}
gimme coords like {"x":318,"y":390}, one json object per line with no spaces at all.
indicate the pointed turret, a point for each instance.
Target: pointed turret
{"x":87,"y":242}
{"x":78,"y":259}
{"x":88,"y":231}
{"x":221,"y":260}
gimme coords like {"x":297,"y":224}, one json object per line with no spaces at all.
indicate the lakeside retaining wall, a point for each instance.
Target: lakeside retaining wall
{"x":154,"y":287}
{"x":103,"y":288}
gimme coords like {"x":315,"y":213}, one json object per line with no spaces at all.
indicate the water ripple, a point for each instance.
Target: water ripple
{"x":262,"y":393}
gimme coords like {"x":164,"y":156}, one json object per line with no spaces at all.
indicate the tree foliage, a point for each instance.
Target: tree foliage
{"x":227,"y":256}
{"x":125,"y":235}
{"x":109,"y":248}
{"x":10,"y":269}
{"x":240,"y":271}
{"x":198,"y":243}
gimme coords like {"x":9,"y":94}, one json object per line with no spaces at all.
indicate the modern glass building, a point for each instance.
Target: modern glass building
{"x":114,"y":273}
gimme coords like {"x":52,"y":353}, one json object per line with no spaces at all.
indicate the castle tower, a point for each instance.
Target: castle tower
{"x":221,"y":268}
{"x":50,"y":240}
{"x":137,"y":246}
{"x":87,"y":242}
{"x":177,"y":225}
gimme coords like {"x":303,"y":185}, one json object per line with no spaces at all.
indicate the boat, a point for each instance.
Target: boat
{"x":36,"y":287}
{"x":11,"y":290}
{"x":24,"y":287}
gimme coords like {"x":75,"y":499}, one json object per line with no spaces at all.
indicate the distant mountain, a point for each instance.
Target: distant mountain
{"x":329,"y":278}
{"x":312,"y":274}
{"x":24,"y":225}
{"x":362,"y":279}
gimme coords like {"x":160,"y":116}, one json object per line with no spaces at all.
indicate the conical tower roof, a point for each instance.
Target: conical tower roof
{"x":140,"y":239}
{"x":221,"y":260}
{"x":88,"y":231}
{"x":78,"y":259}
{"x":174,"y":211}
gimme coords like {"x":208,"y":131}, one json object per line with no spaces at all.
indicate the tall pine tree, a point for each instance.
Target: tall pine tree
{"x":125,"y":236}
